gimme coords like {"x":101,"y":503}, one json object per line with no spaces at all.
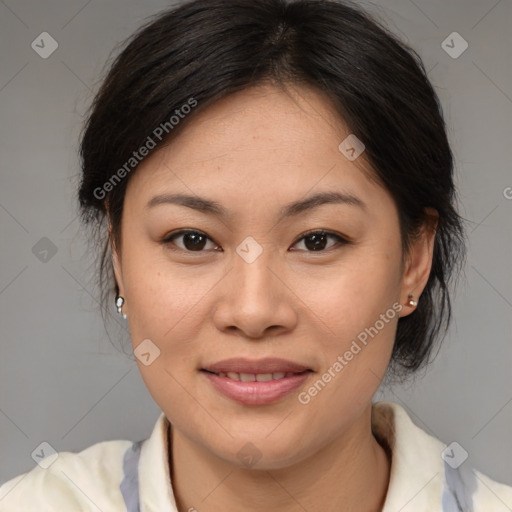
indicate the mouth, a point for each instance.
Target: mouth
{"x":256,"y":377}
{"x":252,"y":382}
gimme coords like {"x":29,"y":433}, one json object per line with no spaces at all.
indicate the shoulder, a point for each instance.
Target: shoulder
{"x":87,"y":480}
{"x":428,"y":475}
{"x":466,"y":488}
{"x":490,"y":494}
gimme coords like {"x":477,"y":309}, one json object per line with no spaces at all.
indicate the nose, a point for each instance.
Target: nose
{"x":256,"y":301}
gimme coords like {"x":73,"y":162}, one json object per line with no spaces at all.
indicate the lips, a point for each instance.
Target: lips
{"x":256,"y":382}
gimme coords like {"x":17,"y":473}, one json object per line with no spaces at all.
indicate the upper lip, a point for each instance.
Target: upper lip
{"x":255,"y":366}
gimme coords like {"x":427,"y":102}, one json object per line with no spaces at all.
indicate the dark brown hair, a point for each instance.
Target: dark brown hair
{"x":208,"y":49}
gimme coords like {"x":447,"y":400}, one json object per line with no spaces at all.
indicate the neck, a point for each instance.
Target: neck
{"x":351,"y":474}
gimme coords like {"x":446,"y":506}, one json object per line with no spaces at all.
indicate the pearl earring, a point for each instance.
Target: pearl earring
{"x":411,"y":301}
{"x":119,"y":305}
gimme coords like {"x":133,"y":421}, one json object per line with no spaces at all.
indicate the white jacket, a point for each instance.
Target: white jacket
{"x":125,"y":476}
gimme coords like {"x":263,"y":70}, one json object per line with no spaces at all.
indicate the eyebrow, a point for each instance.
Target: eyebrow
{"x":211,"y":207}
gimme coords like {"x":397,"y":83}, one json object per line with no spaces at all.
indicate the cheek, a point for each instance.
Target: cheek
{"x":167,"y":306}
{"x":163,"y":298}
{"x":356,"y":311}
{"x":352,"y":295}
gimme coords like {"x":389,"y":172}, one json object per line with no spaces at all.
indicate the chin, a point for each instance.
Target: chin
{"x":263,"y":453}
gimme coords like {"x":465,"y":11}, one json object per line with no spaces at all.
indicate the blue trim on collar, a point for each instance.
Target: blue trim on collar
{"x":130,"y":483}
{"x":459,"y":487}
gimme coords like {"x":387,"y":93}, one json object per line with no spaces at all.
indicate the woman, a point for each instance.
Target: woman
{"x":274,"y":185}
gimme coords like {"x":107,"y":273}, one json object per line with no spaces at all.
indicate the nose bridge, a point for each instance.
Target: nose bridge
{"x":253,"y":274}
{"x":256,"y":298}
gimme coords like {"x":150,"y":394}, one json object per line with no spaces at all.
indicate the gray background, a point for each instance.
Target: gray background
{"x":63,"y":382}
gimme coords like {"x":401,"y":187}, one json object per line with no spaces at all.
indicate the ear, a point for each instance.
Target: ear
{"x":418,"y":262}
{"x":116,"y":262}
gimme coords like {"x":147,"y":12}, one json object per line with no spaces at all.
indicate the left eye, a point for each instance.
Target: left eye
{"x":193,"y":241}
{"x":316,"y":240}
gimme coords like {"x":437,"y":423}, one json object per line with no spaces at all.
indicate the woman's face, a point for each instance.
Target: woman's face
{"x":250,"y":294}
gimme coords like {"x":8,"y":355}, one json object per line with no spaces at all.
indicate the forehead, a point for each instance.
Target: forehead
{"x":261,"y":143}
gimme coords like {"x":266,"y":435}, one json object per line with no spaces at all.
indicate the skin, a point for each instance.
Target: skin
{"x":255,"y":152}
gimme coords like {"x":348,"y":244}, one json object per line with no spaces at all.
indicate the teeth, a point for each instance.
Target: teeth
{"x":263,"y":377}
{"x":252,"y":377}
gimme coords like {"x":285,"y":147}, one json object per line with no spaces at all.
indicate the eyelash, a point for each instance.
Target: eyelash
{"x":168,"y":239}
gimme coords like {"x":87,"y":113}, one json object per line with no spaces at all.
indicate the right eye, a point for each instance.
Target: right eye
{"x":192,"y":241}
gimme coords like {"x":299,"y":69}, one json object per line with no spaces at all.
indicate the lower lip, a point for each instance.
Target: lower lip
{"x":257,"y":393}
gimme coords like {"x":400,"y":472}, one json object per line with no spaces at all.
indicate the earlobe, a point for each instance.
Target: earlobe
{"x":419,"y":262}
